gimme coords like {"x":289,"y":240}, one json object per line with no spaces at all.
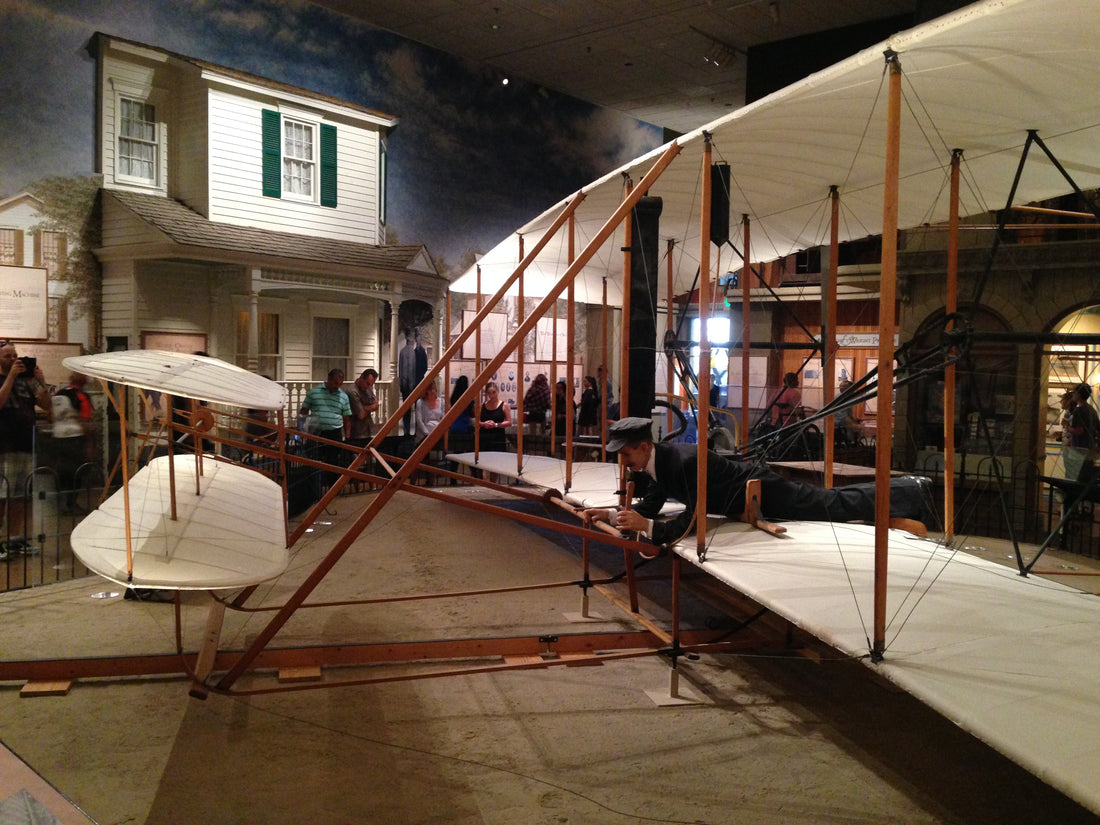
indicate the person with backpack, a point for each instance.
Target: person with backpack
{"x":73,"y":433}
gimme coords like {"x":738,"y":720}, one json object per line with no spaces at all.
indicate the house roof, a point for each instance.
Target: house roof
{"x":246,"y":77}
{"x":19,"y":197}
{"x":187,"y":227}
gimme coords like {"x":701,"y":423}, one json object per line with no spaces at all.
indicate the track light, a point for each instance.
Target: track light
{"x":717,"y":53}
{"x":720,"y":54}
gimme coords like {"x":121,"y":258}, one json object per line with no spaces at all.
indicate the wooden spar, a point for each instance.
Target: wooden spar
{"x":477,"y":366}
{"x":196,"y":444}
{"x":1044,"y":211}
{"x":172,"y":461}
{"x":554,"y":379}
{"x":518,"y":412}
{"x":670,"y":293}
{"x":1028,"y":226}
{"x":447,"y":369}
{"x":674,"y":672}
{"x":829,"y":308}
{"x":604,"y":315}
{"x":746,"y":333}
{"x":888,"y":292}
{"x":124,"y":463}
{"x":280,"y":420}
{"x":624,"y":356}
{"x":951,"y":307}
{"x":570,"y":312}
{"x":703,"y":401}
{"x":391,"y":487}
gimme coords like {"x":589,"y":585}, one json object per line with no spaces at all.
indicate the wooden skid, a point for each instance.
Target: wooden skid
{"x":55,"y":670}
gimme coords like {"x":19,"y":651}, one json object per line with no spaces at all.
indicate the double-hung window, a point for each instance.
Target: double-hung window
{"x":11,"y":246}
{"x":331,"y":346}
{"x":52,"y":252}
{"x":137,"y":140}
{"x":299,"y":159}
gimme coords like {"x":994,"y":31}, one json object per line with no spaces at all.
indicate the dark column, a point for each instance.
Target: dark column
{"x":643,"y":305}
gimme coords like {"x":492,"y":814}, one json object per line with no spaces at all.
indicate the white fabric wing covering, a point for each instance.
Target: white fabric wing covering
{"x":189,"y":376}
{"x":977,"y":79}
{"x":1015,"y":661}
{"x":231,"y":535}
{"x":592,"y":483}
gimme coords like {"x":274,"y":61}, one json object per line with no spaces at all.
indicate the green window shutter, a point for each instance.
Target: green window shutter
{"x":273,"y":161}
{"x":328,"y":165}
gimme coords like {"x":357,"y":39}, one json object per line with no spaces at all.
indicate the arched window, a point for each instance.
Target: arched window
{"x":985,"y":388}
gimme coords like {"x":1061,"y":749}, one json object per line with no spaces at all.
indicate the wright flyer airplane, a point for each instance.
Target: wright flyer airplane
{"x":991,"y":106}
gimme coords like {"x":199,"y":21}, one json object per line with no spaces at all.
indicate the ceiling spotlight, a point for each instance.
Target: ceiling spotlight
{"x":504,"y":81}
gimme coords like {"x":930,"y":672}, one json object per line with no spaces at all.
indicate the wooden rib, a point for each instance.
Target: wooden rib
{"x":888,"y":294}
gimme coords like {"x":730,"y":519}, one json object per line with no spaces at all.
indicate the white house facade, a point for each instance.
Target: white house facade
{"x":246,"y":218}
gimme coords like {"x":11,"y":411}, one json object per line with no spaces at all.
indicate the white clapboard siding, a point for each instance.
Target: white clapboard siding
{"x":121,"y":227}
{"x":296,"y":337}
{"x":118,"y":299}
{"x":173,"y":297}
{"x":188,"y":176}
{"x":236,"y":194}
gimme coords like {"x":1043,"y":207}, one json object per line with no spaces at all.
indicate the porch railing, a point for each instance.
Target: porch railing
{"x":386,"y":391}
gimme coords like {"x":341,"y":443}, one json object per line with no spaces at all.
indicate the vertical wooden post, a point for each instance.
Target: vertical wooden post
{"x":604,"y":315}
{"x":280,"y":419}
{"x":624,"y":360}
{"x":746,"y":333}
{"x":670,"y":296}
{"x":570,"y":311}
{"x":196,"y":443}
{"x":951,"y":307}
{"x":124,"y":463}
{"x":703,"y":424}
{"x":887,"y":311}
{"x":518,"y":412}
{"x":674,"y":675}
{"x":477,"y":362}
{"x":447,"y":371}
{"x":170,"y":411}
{"x":554,"y":381}
{"x":829,"y":348}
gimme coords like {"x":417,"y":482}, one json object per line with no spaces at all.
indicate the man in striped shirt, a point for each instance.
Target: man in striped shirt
{"x":329,"y":416}
{"x":328,"y":408}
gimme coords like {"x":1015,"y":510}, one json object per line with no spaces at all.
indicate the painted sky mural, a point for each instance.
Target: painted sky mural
{"x":470,"y":160}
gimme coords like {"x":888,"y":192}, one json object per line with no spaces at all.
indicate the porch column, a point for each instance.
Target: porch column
{"x":253,"y":364}
{"x":391,"y":367}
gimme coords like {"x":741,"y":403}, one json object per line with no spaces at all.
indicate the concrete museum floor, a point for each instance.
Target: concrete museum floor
{"x":773,"y":738}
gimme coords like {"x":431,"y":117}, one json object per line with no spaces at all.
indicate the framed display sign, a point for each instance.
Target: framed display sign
{"x":24,"y":303}
{"x":185,"y":342}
